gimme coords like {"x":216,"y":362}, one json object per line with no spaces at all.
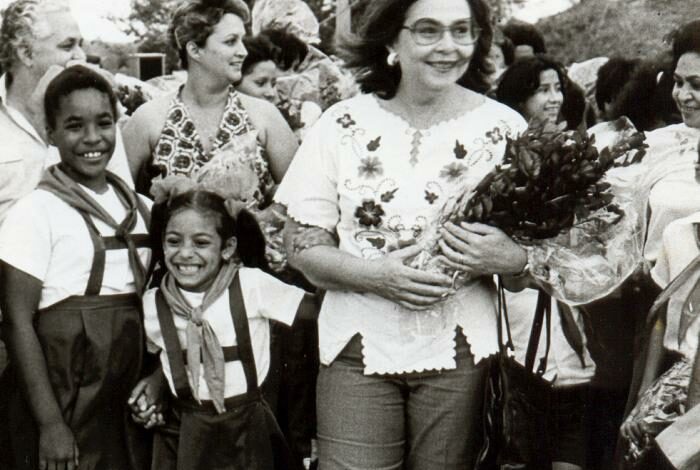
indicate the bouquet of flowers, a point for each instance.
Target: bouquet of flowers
{"x":583,"y":231}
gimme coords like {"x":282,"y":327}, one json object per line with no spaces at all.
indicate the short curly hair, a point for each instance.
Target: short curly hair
{"x":195,"y":20}
{"x":18,"y":30}
{"x":367,"y":50}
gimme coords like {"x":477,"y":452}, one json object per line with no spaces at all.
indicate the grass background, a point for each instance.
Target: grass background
{"x":631,"y":28}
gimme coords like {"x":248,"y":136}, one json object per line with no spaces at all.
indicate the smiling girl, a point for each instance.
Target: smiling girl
{"x":71,"y":269}
{"x":209,"y":321}
{"x":537,"y":87}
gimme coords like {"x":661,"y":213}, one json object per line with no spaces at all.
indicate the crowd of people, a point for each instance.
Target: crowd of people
{"x":226,"y":278}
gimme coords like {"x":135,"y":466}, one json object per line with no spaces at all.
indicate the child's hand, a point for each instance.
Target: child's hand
{"x":146,"y":401}
{"x":57,"y":447}
{"x":633,"y":431}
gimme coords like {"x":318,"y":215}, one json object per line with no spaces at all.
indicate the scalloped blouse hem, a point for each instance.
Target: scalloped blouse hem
{"x":446,"y":360}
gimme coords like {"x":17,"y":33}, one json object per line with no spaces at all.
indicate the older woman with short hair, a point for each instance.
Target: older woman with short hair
{"x":37,"y":39}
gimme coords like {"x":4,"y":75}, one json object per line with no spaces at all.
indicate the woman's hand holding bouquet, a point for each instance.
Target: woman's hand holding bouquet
{"x":583,"y":233}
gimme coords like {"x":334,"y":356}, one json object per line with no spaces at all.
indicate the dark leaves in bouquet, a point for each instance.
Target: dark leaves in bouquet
{"x":548,"y":182}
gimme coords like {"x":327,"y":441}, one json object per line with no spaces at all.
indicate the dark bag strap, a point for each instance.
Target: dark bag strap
{"x":503,"y":318}
{"x":542,"y":313}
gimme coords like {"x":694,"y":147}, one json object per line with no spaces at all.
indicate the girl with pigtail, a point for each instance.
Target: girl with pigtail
{"x":209,"y":322}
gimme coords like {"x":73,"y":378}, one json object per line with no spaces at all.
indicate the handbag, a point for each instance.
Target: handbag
{"x":517,"y":399}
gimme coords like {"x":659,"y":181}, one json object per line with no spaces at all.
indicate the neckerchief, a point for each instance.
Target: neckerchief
{"x":202,"y":343}
{"x":56,"y":181}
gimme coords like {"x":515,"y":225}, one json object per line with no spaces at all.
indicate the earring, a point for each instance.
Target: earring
{"x":392,"y":59}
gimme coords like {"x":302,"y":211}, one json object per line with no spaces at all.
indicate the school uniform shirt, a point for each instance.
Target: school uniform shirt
{"x":678,"y":249}
{"x":46,"y":238}
{"x":265,"y":298}
{"x":25,"y":155}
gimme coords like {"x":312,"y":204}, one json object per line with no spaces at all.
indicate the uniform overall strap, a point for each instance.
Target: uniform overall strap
{"x":144,"y":211}
{"x":97,"y":270}
{"x":172,"y":347}
{"x":100,"y":246}
{"x":142,"y":240}
{"x":240,"y":325}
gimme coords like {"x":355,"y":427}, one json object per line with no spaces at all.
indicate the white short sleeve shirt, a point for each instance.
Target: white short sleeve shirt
{"x":49,"y":240}
{"x":265,"y":298}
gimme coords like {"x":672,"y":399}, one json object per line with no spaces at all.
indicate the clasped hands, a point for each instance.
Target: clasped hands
{"x":146,"y":400}
{"x":474,"y":249}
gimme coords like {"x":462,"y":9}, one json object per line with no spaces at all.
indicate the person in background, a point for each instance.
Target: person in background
{"x":402,"y":377}
{"x":584,"y":74}
{"x":259,"y":71}
{"x":37,"y":40}
{"x":316,"y":78}
{"x":178,"y":133}
{"x":643,"y":97}
{"x":612,"y":78}
{"x":290,"y":50}
{"x":501,"y":56}
{"x":271,"y":55}
{"x":538,"y":88}
{"x":675,"y":194}
{"x":526,"y":38}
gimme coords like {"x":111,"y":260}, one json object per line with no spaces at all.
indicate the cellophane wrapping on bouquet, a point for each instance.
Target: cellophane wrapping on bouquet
{"x":231,"y":174}
{"x":576,"y":209}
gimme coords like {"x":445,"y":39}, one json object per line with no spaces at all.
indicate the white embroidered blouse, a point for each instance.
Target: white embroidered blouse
{"x":364,"y":173}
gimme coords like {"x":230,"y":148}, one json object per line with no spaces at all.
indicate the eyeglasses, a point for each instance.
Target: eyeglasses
{"x":428,"y":32}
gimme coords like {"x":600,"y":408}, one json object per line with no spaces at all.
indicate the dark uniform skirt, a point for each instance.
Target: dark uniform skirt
{"x":245,"y":437}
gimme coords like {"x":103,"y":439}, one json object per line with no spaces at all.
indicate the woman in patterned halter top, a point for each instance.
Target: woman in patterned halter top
{"x":178,"y":134}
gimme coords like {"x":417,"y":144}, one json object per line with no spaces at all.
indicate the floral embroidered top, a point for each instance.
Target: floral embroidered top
{"x":362,"y":172}
{"x":179,"y":149}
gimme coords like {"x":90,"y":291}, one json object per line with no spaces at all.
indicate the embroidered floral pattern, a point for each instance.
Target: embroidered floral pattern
{"x":495,"y":135}
{"x":369,"y":213}
{"x":370,"y":167}
{"x":452,"y":171}
{"x":346,"y":121}
{"x":389,"y":195}
{"x":459,"y":150}
{"x":374,"y":144}
{"x":431,"y":197}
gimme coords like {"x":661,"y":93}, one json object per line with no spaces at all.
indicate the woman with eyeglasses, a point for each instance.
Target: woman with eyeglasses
{"x":403,"y":351}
